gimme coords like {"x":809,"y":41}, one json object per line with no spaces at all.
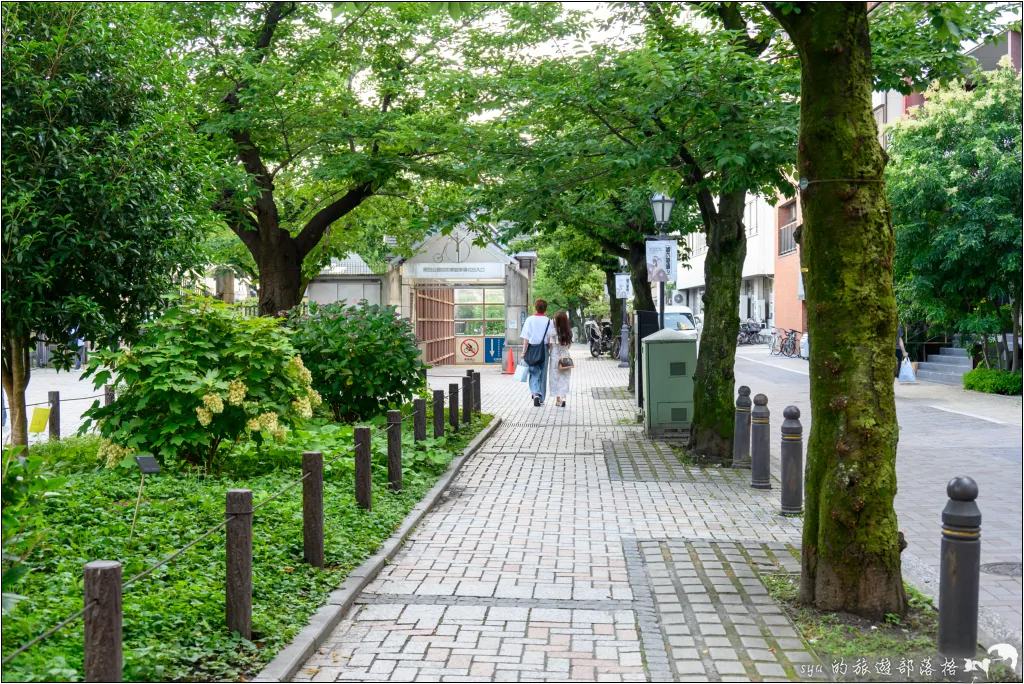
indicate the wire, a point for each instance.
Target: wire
{"x":177,"y":553}
{"x":49,"y":632}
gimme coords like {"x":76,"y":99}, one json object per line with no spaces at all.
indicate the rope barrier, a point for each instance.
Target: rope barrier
{"x":48,"y":633}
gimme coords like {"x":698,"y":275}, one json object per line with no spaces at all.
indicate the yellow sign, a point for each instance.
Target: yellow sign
{"x":40,"y":416}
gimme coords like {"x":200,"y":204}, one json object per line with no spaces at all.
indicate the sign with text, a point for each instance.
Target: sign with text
{"x":623,"y":286}
{"x":452,"y":271}
{"x":493,"y":349}
{"x":661,"y":261}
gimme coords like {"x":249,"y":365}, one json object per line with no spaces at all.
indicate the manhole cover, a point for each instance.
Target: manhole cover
{"x":1008,"y":569}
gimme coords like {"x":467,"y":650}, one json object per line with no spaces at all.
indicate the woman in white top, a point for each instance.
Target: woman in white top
{"x":537,"y":331}
{"x":560,"y":376}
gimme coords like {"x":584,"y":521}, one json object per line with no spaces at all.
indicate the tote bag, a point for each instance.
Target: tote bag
{"x":522,"y":372}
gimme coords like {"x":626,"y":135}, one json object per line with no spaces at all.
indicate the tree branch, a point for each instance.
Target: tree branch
{"x":705,"y":200}
{"x":306,"y":240}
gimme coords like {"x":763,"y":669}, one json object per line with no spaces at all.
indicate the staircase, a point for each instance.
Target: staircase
{"x":946,"y":367}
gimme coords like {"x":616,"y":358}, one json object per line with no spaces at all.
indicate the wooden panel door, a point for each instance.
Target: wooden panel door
{"x":435,"y":323}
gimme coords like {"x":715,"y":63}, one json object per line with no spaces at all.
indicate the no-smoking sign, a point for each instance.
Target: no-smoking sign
{"x":470,"y":347}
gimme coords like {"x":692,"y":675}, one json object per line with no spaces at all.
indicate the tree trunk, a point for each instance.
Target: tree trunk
{"x":643,"y":298}
{"x":280,"y":275}
{"x":851,"y":556}
{"x":16,"y":371}
{"x":714,"y":381}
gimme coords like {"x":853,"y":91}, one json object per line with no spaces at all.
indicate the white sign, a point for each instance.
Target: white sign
{"x":623,"y":286}
{"x":661,"y":261}
{"x":512,"y":324}
{"x":468,"y":270}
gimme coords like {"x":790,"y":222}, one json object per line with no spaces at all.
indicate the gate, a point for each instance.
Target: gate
{"x":435,"y":323}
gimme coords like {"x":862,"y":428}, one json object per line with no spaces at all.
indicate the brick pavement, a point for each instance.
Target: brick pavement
{"x":571,"y":548}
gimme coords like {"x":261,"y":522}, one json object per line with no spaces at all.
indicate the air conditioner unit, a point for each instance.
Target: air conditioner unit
{"x":679,"y":299}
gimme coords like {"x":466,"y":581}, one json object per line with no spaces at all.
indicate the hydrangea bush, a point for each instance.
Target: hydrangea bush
{"x":200,"y":377}
{"x":364,"y":359}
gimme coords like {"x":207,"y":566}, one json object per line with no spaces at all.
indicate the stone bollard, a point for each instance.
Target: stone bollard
{"x":792,"y":463}
{"x":741,"y":433}
{"x":108,"y":395}
{"x":467,"y":400}
{"x":54,"y":399}
{"x":364,"y":468}
{"x":478,"y":404}
{"x":395,"y":450}
{"x":103,"y":654}
{"x":438,"y":413}
{"x":313,"y":508}
{"x":238,"y":555}
{"x":419,"y":420}
{"x":760,"y":445}
{"x":960,"y":566}
{"x":453,"y":406}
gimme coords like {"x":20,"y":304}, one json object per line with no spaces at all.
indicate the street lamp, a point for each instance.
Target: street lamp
{"x":624,"y":328}
{"x":661,"y":206}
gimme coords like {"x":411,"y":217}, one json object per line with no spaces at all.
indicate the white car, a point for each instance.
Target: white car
{"x":681,"y":318}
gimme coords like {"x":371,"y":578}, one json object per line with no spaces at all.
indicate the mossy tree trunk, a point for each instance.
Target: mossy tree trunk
{"x":851,"y":558}
{"x":715,"y":379}
{"x":643,"y":298}
{"x":16,"y":370}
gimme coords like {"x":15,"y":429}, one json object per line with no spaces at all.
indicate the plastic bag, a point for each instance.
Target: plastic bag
{"x":522,"y":372}
{"x":907,"y":371}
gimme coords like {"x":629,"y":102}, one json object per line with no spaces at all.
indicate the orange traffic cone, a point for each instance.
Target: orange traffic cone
{"x":510,"y":367}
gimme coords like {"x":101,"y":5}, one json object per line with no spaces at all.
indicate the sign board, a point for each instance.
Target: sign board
{"x":147,"y":464}
{"x":494,"y":347}
{"x":623,"y":286}
{"x":522,"y":318}
{"x":40,"y":417}
{"x":470,"y":347}
{"x":455,"y":271}
{"x":512,"y":324}
{"x":662,"y":261}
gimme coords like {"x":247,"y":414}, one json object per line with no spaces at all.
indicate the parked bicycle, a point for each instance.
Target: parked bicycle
{"x":751,"y":333}
{"x":786,"y":343}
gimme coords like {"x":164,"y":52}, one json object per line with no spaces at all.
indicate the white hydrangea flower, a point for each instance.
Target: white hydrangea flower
{"x":213,"y":403}
{"x":236,"y":392}
{"x":205,"y":415}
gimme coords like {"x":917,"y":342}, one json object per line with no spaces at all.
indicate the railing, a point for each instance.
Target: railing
{"x":787,"y":238}
{"x":103,"y":589}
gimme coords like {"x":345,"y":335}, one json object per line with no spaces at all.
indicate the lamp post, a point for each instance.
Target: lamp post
{"x":661,"y":206}
{"x":624,"y":328}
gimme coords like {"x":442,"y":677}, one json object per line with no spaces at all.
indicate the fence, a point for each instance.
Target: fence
{"x":103,"y":589}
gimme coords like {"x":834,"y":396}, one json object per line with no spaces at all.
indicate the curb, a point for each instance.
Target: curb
{"x":286,"y":664}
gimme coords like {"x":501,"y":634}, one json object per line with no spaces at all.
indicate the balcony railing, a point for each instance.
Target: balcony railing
{"x":787,"y":240}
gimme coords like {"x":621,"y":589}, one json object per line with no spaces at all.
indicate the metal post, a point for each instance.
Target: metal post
{"x":364,"y":470}
{"x":419,"y":420}
{"x":960,"y":554}
{"x":661,"y":306}
{"x":438,"y":414}
{"x":624,"y":339}
{"x":313,"y":508}
{"x":238,"y":588}
{"x":453,"y":406}
{"x":395,"y":450}
{"x":478,"y":404}
{"x":103,"y":655}
{"x":108,"y":395}
{"x":792,"y":497}
{"x":467,"y":400}
{"x":760,"y":445}
{"x":741,"y":430}
{"x":54,"y":398}
{"x":138,"y":500}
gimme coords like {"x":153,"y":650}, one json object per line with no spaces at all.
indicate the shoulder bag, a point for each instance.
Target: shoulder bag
{"x":534,"y":355}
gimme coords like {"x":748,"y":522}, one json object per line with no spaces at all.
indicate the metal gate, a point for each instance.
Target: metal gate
{"x":435,"y":323}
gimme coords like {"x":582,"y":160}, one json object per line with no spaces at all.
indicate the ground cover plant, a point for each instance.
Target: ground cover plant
{"x":174,"y":619}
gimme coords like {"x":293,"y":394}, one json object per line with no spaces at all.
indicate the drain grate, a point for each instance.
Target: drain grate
{"x":1007,"y":569}
{"x":608,"y":393}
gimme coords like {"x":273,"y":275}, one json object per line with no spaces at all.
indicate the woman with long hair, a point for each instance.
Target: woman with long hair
{"x":561,"y":361}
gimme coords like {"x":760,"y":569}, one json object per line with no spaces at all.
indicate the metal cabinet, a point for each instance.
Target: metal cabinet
{"x":669,"y":362}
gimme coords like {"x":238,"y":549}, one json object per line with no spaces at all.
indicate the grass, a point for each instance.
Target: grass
{"x":842,"y":637}
{"x":174,"y":619}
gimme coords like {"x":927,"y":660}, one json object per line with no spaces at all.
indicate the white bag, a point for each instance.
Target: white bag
{"x":522,"y":372}
{"x":907,"y":371}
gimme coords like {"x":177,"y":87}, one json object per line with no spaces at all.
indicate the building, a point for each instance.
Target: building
{"x":466,"y":302}
{"x":349,"y":280}
{"x":757,"y":289}
{"x":889,"y":107}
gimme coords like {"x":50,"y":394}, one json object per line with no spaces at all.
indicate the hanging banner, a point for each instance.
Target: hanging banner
{"x":661,"y":261}
{"x":623,"y":286}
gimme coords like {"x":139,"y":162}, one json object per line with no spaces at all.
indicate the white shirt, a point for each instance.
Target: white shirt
{"x":533,"y":329}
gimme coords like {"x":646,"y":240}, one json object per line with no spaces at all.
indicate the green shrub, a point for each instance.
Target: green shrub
{"x":364,"y":359}
{"x":200,"y":376}
{"x":993,"y":381}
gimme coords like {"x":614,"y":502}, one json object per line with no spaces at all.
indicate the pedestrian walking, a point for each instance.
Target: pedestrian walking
{"x":901,"y":350}
{"x":537,"y":336}
{"x":561,"y":361}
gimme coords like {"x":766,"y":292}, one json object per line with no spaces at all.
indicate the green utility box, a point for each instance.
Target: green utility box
{"x":669,"y":362}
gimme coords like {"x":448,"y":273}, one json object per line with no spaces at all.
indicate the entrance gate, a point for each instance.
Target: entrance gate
{"x":435,"y":323}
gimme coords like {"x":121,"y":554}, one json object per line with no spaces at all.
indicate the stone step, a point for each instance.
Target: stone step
{"x":941,"y":378}
{"x":953,"y":351}
{"x":946,"y":360}
{"x":943,"y":367}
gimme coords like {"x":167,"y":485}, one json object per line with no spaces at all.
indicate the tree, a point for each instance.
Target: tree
{"x":103,"y":179}
{"x":851,"y":555}
{"x":954,"y":182}
{"x":568,"y":280}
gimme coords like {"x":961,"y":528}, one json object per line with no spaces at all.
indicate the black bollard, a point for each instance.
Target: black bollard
{"x":419,"y":420}
{"x":960,"y":566}
{"x":792,"y":462}
{"x":467,"y":399}
{"x":453,"y":406}
{"x":477,"y":394}
{"x":760,"y":445}
{"x":438,"y":414}
{"x":741,"y":432}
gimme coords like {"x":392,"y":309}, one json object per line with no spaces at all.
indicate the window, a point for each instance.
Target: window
{"x":479,"y":311}
{"x":880,"y":117}
{"x":750,"y":218}
{"x":698,"y":243}
{"x":787,"y":228}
